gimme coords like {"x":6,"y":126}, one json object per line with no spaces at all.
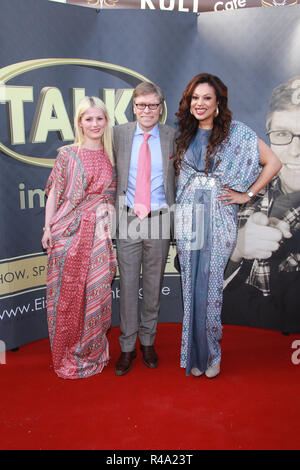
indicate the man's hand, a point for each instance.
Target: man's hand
{"x":260,"y":237}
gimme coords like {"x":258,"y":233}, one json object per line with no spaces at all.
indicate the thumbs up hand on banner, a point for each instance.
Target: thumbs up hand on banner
{"x":260,"y":237}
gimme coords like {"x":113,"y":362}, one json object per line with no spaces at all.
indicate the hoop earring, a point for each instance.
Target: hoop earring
{"x":217,"y":112}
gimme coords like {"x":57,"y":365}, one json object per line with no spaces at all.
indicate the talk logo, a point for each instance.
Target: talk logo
{"x":278,"y":3}
{"x":50,"y":114}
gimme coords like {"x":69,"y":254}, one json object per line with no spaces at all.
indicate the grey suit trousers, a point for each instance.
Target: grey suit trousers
{"x":140,"y":249}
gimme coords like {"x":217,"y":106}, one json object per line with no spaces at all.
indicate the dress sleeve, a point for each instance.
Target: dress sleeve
{"x":241,"y":158}
{"x":110,"y":191}
{"x":58,"y":176}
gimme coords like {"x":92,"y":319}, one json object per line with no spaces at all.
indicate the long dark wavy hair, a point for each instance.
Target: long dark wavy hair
{"x":188,"y":124}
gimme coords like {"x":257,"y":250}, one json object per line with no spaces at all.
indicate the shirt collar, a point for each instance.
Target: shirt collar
{"x":154,"y":131}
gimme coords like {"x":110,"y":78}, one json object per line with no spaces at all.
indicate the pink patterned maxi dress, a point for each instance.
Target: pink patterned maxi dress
{"x":81,"y":263}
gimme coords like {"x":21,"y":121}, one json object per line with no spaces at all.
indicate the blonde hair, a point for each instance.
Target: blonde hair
{"x":86,"y":103}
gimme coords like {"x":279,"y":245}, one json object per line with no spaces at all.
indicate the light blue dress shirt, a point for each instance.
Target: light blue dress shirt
{"x":158,"y":198}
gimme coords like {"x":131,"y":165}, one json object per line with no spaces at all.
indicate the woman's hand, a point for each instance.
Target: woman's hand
{"x":47,"y":239}
{"x":50,"y":211}
{"x":233,"y":197}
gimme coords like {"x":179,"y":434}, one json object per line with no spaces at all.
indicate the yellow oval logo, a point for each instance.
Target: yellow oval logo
{"x":278,"y":3}
{"x":15,"y":97}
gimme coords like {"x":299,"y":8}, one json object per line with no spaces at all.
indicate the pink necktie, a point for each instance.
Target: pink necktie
{"x":142,"y":199}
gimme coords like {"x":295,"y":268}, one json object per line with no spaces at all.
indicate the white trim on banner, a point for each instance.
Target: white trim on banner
{"x":185,"y":6}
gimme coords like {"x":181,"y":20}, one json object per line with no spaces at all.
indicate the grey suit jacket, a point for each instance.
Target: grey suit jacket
{"x":123,"y":137}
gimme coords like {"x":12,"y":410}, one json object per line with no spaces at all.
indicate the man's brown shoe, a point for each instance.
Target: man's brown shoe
{"x":123,"y":364}
{"x":150,"y":358}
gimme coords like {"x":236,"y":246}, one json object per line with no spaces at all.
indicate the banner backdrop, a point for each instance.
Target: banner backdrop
{"x":185,"y":6}
{"x":46,"y":69}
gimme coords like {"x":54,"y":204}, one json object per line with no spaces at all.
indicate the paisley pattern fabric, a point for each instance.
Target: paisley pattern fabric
{"x":81,"y":263}
{"x":206,"y":233}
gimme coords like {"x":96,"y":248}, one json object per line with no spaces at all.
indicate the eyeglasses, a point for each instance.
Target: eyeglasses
{"x":281,"y":137}
{"x":142,"y":106}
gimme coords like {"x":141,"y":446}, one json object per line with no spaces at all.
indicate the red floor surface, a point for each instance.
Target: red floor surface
{"x":253,"y":404}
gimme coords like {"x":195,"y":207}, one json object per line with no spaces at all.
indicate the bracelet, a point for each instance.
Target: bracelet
{"x":46,"y":228}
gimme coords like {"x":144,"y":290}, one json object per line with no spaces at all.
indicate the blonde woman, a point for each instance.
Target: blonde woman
{"x":81,"y":262}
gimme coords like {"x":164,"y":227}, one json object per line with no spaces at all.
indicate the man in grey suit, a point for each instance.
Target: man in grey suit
{"x":142,"y":239}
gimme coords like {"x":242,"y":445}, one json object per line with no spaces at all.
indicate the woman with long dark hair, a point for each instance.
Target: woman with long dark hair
{"x":220,"y":163}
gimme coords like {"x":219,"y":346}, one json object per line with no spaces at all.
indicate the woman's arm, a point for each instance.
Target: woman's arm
{"x":49,"y":213}
{"x":271,"y":166}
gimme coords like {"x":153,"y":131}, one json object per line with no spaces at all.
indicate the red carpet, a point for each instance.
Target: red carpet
{"x":253,"y":404}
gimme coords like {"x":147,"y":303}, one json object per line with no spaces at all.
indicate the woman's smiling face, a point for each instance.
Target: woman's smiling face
{"x":93,"y":123}
{"x":203,"y":105}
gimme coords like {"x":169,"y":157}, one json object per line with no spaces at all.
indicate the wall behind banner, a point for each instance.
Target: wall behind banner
{"x":167,"y":48}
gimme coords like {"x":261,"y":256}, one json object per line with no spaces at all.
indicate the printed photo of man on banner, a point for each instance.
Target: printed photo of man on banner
{"x":264,"y":270}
